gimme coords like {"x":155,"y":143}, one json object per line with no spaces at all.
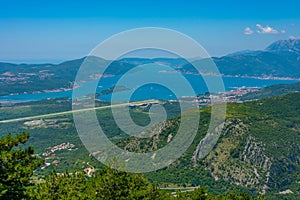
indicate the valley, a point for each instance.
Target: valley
{"x":252,"y":154}
{"x":257,"y":151}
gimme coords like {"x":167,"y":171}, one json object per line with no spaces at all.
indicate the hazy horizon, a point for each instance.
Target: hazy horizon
{"x":138,"y":55}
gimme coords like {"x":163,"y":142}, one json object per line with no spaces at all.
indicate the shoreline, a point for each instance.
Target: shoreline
{"x":264,"y":77}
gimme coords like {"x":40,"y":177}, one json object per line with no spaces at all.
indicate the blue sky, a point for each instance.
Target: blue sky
{"x":38,"y":31}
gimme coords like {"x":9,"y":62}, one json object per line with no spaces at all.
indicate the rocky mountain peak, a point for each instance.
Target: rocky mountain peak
{"x":290,"y":45}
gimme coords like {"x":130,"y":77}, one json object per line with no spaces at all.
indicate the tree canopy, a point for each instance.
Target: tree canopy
{"x":16,"y":166}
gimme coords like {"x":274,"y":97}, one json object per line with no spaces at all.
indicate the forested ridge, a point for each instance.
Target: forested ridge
{"x":18,"y":164}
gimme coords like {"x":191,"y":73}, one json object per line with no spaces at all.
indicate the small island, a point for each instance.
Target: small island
{"x":115,"y":88}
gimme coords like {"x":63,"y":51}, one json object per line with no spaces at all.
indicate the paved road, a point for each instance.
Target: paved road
{"x":180,"y":188}
{"x":74,"y":111}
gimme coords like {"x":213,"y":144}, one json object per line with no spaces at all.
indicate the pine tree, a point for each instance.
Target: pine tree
{"x":16,"y":166}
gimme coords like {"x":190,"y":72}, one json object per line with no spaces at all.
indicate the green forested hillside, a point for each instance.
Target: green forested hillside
{"x":273,"y":90}
{"x":16,"y":182}
{"x":258,"y":151}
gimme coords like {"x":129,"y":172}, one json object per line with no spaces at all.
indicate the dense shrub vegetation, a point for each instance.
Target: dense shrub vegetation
{"x":17,"y":166}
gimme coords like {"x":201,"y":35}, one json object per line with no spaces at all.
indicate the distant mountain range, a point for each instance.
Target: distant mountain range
{"x":280,"y":59}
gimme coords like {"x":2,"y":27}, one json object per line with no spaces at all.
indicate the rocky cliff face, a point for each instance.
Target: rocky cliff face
{"x":259,"y":146}
{"x":239,"y":158}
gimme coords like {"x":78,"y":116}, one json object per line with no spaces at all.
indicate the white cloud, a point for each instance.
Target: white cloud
{"x":294,"y":37}
{"x":248,"y":31}
{"x":263,"y":30}
{"x":266,"y":30}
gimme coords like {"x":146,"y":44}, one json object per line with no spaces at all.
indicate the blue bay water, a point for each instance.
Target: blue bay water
{"x":151,"y":90}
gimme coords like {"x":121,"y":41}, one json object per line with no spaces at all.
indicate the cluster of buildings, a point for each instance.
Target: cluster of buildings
{"x":67,"y":146}
{"x":228,"y":96}
{"x":204,"y":99}
{"x":17,"y":77}
{"x":235,"y":95}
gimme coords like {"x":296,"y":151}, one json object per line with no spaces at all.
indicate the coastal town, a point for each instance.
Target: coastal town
{"x":206,"y":99}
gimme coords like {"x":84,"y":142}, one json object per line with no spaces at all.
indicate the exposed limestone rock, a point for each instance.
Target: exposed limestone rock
{"x":207,"y":143}
{"x":288,"y":191}
{"x":238,"y":157}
